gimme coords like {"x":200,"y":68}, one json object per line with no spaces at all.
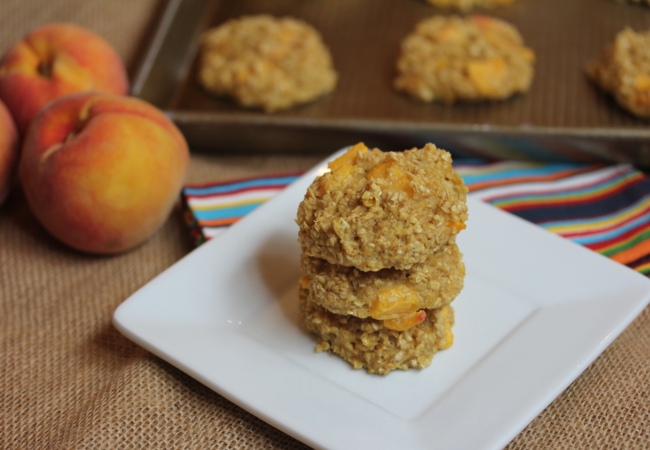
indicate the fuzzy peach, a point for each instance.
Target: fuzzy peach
{"x":8,"y":152}
{"x":56,"y":60}
{"x":102,"y":172}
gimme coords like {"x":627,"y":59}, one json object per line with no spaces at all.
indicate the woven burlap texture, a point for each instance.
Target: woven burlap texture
{"x":70,"y":380}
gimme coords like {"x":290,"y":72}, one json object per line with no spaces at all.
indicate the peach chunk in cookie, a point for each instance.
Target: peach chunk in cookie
{"x":370,"y":344}
{"x":387,"y":294}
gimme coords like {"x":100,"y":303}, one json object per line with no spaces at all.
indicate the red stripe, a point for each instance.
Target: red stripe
{"x":620,"y":238}
{"x":615,"y":225}
{"x":218,"y":222}
{"x":567,"y":202}
{"x":239,"y":180}
{"x":274,"y":187}
{"x":564,"y":190}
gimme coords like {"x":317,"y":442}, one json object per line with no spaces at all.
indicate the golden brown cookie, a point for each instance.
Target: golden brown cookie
{"x":266,"y":62}
{"x":450,"y":59}
{"x":387,"y":293}
{"x":623,"y":70}
{"x":375,"y":210}
{"x":368,"y":343}
{"x":467,"y":5}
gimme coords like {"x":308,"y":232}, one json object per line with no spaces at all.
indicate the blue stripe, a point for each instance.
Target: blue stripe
{"x":230,"y":187}
{"x":497,"y":173}
{"x":529,"y":200}
{"x":632,"y":194}
{"x":225,"y":213}
{"x":618,"y":230}
{"x":585,"y":240}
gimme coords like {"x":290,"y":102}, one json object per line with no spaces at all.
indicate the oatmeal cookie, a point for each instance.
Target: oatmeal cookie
{"x":376,"y":210}
{"x":387,"y":293}
{"x":466,"y":5}
{"x":368,"y":343}
{"x":451,"y":59}
{"x":623,"y":70}
{"x":266,"y":62}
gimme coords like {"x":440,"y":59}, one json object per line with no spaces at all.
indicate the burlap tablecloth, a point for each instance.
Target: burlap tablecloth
{"x":68,"y":379}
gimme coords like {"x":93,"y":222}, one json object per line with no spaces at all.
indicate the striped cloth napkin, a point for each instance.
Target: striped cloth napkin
{"x":603,"y":207}
{"x":212,"y":207}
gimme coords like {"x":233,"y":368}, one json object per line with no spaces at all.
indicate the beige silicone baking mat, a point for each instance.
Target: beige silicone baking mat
{"x":563,"y":115}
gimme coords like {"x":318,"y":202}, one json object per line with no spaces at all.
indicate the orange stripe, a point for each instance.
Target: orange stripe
{"x":634,"y":253}
{"x":218,"y":222}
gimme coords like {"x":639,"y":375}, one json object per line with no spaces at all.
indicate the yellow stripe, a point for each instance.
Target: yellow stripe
{"x":643,"y":268}
{"x":545,"y":199}
{"x":229,"y":205}
{"x":598,"y":224}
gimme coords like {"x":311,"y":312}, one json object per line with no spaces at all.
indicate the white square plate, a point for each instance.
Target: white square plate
{"x":536,"y":310}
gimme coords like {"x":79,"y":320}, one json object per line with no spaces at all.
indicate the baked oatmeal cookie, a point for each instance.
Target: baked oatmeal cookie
{"x":388,"y":293}
{"x":376,"y":210}
{"x":451,"y":59}
{"x":368,"y":343}
{"x":266,"y":62}
{"x":467,"y":5}
{"x":623,"y":70}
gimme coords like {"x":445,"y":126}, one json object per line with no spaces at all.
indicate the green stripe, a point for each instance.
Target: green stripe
{"x":626,"y":245}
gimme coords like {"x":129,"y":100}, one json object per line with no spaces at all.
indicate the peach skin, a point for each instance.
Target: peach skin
{"x":8,"y":152}
{"x":102,"y":172}
{"x":53,"y":61}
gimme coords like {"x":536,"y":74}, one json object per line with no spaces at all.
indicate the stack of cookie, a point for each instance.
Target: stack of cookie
{"x":379,"y":256}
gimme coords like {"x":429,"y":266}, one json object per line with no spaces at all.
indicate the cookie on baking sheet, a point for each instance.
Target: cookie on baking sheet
{"x":266,"y":62}
{"x":387,"y":293}
{"x":367,"y":343}
{"x":449,"y":59}
{"x":466,"y":5}
{"x":623,"y":70}
{"x":376,"y":210}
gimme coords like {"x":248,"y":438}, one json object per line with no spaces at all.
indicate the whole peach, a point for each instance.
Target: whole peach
{"x":8,"y":152}
{"x":53,"y":61}
{"x":102,"y":172}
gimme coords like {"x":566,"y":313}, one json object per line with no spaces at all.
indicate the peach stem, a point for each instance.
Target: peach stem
{"x":45,"y":69}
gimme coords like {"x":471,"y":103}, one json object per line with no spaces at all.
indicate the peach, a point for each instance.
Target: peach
{"x":53,"y":61}
{"x":102,"y":172}
{"x":8,"y":152}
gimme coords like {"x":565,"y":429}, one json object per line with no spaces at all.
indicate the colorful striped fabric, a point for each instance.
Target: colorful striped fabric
{"x":210,"y":208}
{"x":604,"y":208}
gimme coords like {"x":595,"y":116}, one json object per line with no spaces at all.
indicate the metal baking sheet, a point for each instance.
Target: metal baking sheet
{"x":563,"y":116}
